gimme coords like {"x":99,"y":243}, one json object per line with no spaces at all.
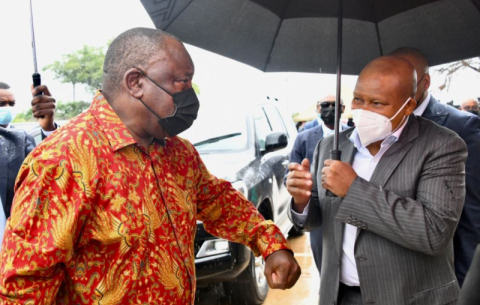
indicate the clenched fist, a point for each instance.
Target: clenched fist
{"x":281,"y":270}
{"x":337,"y":177}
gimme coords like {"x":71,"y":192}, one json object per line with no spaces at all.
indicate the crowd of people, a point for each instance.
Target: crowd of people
{"x":104,"y":209}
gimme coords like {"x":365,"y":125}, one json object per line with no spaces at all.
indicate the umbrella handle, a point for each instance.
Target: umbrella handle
{"x":37,"y":81}
{"x":334,"y":155}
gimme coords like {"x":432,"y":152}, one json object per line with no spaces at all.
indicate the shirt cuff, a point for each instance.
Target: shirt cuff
{"x":271,"y":240}
{"x":300,"y":218}
{"x":47,"y":133}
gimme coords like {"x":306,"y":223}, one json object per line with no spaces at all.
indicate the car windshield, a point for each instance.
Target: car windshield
{"x":219,"y":129}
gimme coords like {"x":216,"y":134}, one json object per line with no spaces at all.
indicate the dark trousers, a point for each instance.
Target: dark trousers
{"x":316,"y":245}
{"x":349,"y":295}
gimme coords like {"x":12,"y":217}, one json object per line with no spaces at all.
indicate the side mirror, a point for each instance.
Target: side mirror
{"x":276,"y":141}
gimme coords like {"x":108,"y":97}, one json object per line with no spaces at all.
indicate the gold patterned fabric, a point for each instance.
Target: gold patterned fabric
{"x":96,"y":220}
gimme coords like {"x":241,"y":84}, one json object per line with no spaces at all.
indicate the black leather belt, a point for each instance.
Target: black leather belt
{"x":350,"y":288}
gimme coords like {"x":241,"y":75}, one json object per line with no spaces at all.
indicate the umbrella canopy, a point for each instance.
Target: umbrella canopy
{"x":301,"y":35}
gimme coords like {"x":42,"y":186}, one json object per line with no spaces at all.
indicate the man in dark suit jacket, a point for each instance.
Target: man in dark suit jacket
{"x":17,"y":144}
{"x":323,"y":113}
{"x":467,"y":126}
{"x":400,"y":187}
{"x":470,"y":294}
{"x":304,"y":147}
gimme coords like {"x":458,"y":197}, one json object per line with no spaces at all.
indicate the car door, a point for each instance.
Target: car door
{"x":279,"y":161}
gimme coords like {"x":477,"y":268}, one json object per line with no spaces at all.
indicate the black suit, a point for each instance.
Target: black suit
{"x":15,"y":145}
{"x":467,"y":126}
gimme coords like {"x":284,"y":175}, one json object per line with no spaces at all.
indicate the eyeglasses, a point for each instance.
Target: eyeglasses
{"x":327,"y":104}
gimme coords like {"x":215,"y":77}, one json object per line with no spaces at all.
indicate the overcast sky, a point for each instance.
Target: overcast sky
{"x":63,"y":26}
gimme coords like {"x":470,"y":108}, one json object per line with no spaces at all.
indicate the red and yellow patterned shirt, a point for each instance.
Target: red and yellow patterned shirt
{"x":96,"y":220}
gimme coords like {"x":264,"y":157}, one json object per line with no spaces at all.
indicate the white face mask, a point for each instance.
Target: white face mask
{"x":373,"y":127}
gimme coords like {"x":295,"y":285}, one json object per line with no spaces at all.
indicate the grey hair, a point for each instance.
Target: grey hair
{"x":132,"y":48}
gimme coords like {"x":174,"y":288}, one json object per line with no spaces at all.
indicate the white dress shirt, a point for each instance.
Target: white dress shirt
{"x":421,"y":109}
{"x":364,"y":165}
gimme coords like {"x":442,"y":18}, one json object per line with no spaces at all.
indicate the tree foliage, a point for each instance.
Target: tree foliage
{"x":196,"y":88}
{"x":451,"y":69}
{"x":84,"y":66}
{"x":63,"y":111}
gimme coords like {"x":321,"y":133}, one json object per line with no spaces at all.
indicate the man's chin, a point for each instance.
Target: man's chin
{"x":161,"y":135}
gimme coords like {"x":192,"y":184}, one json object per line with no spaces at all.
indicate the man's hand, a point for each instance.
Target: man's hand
{"x":299,"y":184}
{"x":43,"y":107}
{"x":282,"y":270}
{"x":337,"y":177}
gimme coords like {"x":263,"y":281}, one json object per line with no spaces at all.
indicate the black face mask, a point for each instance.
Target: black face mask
{"x":186,"y":110}
{"x":475,"y":112}
{"x":328,"y":115}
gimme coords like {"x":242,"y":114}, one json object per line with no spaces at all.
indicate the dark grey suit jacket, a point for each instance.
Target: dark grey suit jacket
{"x":407,"y":214}
{"x":15,"y":145}
{"x":467,"y":126}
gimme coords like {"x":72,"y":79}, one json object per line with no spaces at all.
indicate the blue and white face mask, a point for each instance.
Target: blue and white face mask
{"x":6,"y":115}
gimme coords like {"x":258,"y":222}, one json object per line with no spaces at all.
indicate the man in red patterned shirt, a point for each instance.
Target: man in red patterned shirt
{"x":105,"y":209}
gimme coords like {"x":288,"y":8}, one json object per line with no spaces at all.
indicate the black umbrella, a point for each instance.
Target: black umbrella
{"x":301,"y":36}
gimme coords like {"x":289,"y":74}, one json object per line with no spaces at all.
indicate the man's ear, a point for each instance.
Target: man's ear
{"x":133,"y":83}
{"x":426,"y":80}
{"x":410,"y":107}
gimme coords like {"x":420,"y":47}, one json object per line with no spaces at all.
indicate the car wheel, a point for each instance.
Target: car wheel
{"x":251,"y":286}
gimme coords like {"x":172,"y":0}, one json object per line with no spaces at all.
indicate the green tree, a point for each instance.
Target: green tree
{"x":84,"y":66}
{"x":66,"y":111}
{"x":196,"y":88}
{"x":63,"y":111}
{"x":26,"y":116}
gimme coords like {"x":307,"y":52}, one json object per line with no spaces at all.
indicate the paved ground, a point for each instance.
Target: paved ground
{"x":305,"y":292}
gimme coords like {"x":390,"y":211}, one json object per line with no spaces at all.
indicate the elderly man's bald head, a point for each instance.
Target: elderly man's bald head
{"x":470,"y":105}
{"x":415,"y":57}
{"x":420,"y":62}
{"x":397,"y":70}
{"x":387,"y":86}
{"x":134,"y":47}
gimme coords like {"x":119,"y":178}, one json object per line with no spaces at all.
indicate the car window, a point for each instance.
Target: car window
{"x":262,"y":126}
{"x":218,"y":129}
{"x":275,"y":120}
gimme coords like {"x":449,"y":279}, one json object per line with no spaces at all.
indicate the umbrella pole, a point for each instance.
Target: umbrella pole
{"x":335,"y":153}
{"x":36,"y":76}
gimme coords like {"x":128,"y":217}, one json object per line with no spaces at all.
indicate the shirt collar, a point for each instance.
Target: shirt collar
{"x":421,"y":109}
{"x":116,"y":132}
{"x":327,"y":131}
{"x":389,"y":141}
